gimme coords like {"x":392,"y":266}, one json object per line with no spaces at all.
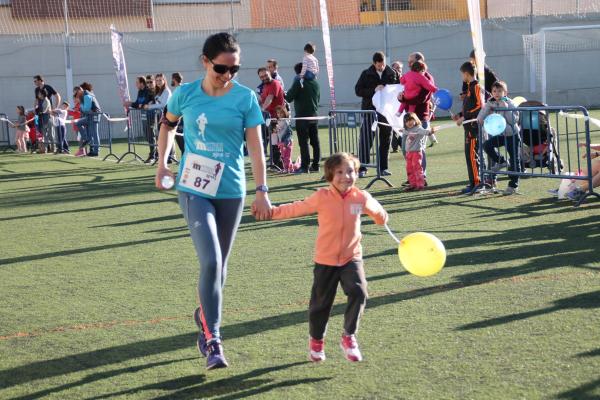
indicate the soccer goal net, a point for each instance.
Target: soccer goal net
{"x":554,"y":55}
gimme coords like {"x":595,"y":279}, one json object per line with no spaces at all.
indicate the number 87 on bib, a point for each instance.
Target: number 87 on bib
{"x":202,"y":174}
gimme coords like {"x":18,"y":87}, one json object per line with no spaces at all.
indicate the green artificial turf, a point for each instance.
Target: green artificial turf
{"x":98,"y":278}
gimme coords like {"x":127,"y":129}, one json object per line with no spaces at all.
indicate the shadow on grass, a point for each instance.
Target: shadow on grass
{"x":588,"y":391}
{"x":83,"y":250}
{"x":117,"y":354}
{"x":584,"y":301}
{"x":91,"y":378}
{"x":591,"y":353}
{"x":239,"y":386}
{"x":90,"y":209}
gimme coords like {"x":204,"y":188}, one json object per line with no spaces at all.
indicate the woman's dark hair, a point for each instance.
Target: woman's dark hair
{"x":87,"y":86}
{"x":176,"y":76}
{"x":378,"y":57}
{"x":21,"y":110}
{"x":220,"y":43}
{"x":418,"y":66}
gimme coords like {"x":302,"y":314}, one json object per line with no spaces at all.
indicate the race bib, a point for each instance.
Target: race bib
{"x":201,"y":174}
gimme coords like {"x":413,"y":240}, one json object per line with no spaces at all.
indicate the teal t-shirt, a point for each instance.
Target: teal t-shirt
{"x":214,"y":127}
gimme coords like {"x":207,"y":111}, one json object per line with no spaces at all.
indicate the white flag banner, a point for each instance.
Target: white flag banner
{"x":477,"y":36}
{"x":119,"y":63}
{"x":327,"y":48}
{"x":386,"y":103}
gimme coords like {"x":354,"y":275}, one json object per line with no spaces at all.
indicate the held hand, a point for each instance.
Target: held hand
{"x":261,"y":207}
{"x":379,"y":87}
{"x":459,"y":121}
{"x":161,"y":172}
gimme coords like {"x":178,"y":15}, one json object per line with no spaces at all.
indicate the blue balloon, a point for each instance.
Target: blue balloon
{"x":443,"y":99}
{"x":494,"y":124}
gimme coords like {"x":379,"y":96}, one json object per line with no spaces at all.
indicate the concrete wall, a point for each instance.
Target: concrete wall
{"x":572,"y":76}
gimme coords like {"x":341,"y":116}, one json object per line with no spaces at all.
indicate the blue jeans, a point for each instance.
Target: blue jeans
{"x":93,"y":132}
{"x":63,"y":143}
{"x":513,"y":148}
{"x":213,"y":224}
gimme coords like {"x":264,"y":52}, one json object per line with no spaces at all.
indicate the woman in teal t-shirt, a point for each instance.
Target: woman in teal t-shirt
{"x":218,"y":113}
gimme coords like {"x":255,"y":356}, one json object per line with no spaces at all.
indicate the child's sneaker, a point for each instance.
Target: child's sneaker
{"x":216,"y":358}
{"x":498,"y":166}
{"x":350,"y":348}
{"x":316,"y":350}
{"x":576,"y":194}
{"x":81,"y":152}
{"x":510,"y":191}
{"x":201,"y":341}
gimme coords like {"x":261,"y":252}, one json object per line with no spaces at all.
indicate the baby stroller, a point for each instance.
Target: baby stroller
{"x":540,"y":145}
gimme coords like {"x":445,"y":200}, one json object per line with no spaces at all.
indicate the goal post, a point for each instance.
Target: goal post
{"x":559,"y":40}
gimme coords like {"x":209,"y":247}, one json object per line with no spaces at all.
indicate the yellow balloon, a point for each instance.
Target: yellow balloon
{"x":422,"y":254}
{"x":517,"y":101}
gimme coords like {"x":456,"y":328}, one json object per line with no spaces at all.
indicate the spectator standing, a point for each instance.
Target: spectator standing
{"x":372,"y":80}
{"x":422,"y":103}
{"x":43,"y":110}
{"x":397,"y":66}
{"x":306,"y":104}
{"x":143,"y":94}
{"x":490,"y":76}
{"x":60,"y":123}
{"x":162,"y":94}
{"x":90,"y":110}
{"x":271,"y":97}
{"x":272,"y":66}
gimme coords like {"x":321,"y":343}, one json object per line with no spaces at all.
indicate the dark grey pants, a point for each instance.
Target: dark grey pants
{"x":326,"y":278}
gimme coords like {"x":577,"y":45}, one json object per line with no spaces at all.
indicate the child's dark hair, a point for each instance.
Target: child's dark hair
{"x":411,"y":116}
{"x":335,"y":161}
{"x":309,"y":48}
{"x":283,"y":110}
{"x":21,"y":110}
{"x":378,"y":57}
{"x":500,"y":85}
{"x":418,"y":66}
{"x":142,"y":80}
{"x":468,"y":68}
{"x":220,"y":43}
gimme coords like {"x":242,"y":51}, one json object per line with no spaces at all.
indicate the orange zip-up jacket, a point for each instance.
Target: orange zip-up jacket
{"x":338,"y":238}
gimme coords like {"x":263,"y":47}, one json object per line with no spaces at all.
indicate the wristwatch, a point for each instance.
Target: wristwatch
{"x":262,"y":188}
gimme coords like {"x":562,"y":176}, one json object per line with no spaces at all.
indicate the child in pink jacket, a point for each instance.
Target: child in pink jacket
{"x":338,"y":252}
{"x":414,"y":81}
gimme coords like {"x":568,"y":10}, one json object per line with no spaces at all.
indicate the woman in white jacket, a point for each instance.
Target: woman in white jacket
{"x":161,"y":97}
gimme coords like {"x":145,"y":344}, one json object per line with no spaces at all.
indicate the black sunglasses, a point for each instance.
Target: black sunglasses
{"x":222,"y":68}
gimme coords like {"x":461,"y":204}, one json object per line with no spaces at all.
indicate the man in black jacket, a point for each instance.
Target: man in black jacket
{"x":372,"y":80}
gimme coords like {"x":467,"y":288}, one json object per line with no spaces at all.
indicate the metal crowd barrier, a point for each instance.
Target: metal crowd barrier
{"x":548,"y":145}
{"x":5,"y":143}
{"x":357,"y":132}
{"x":142,"y":130}
{"x":105,"y":131}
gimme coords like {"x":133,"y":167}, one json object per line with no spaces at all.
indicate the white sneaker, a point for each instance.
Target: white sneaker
{"x":316,"y":350}
{"x":350,"y":348}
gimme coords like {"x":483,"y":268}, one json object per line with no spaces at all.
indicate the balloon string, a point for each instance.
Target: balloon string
{"x":392,"y":234}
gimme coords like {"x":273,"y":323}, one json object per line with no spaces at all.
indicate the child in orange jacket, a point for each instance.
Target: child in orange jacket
{"x":338,"y":252}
